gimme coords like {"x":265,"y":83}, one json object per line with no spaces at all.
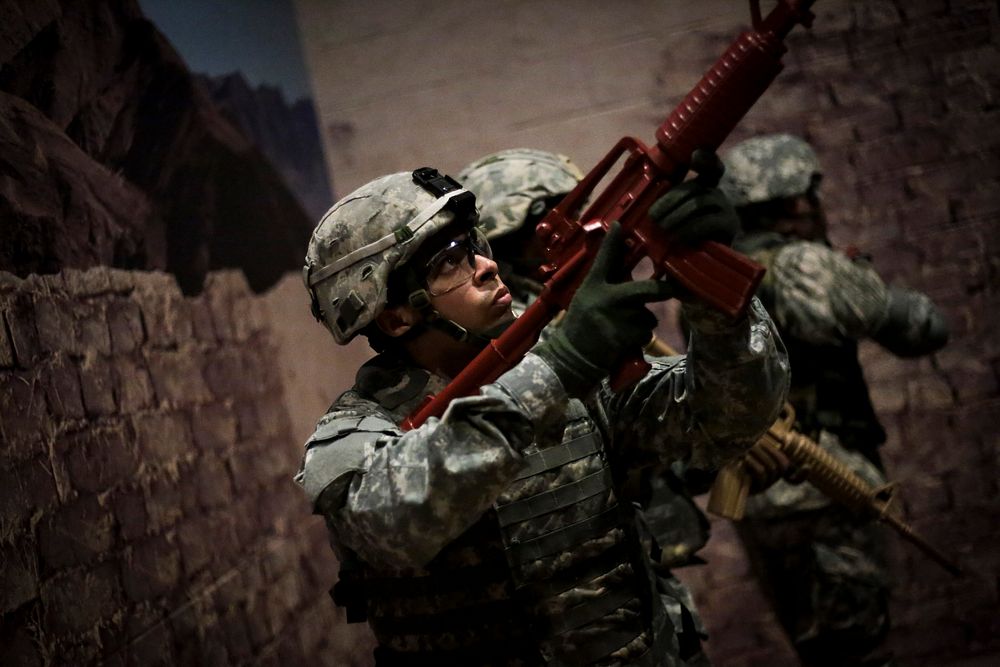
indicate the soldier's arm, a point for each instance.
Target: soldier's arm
{"x":823,"y":297}
{"x":395,"y":498}
{"x":711,"y":405}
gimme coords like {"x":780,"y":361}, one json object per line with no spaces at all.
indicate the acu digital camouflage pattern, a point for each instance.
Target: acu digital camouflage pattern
{"x":511,"y":184}
{"x":352,"y":298}
{"x":448,"y":566}
{"x":822,"y":297}
{"x":823,"y":564}
{"x":769,"y":167}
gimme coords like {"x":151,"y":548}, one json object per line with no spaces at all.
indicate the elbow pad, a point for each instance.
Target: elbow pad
{"x":913,"y":325}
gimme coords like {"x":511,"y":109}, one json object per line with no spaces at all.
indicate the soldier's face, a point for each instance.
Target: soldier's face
{"x":801,"y":217}
{"x":479,"y":301}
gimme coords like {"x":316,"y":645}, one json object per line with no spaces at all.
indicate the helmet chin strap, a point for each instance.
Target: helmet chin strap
{"x":420,"y":300}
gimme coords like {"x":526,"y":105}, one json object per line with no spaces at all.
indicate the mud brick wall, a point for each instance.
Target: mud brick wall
{"x":147,"y":512}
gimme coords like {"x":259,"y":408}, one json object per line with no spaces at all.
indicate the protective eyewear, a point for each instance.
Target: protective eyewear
{"x":455,"y":264}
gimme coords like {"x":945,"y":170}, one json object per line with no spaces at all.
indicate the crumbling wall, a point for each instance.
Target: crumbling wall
{"x":147,"y":511}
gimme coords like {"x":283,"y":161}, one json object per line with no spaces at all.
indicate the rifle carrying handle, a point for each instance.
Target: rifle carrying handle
{"x":716,"y":274}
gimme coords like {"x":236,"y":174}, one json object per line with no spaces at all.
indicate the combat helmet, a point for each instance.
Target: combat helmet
{"x":773,"y":166}
{"x":367,"y":235}
{"x":513,"y":184}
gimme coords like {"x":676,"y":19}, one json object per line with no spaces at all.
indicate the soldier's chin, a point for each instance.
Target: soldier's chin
{"x":497,"y":329}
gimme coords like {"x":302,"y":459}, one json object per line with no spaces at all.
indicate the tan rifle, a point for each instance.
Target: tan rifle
{"x":728,"y":495}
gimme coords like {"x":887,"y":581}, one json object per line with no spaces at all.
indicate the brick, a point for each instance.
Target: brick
{"x":76,"y":534}
{"x":100,"y":459}
{"x":245,"y":523}
{"x":228,"y":376}
{"x":92,"y":325}
{"x":7,"y":357}
{"x":97,"y":385}
{"x":274,"y":460}
{"x":214,"y":486}
{"x":281,"y":501}
{"x":222,"y":290}
{"x":62,"y":388}
{"x":196,"y":551}
{"x":211,"y":649}
{"x":125,"y":326}
{"x":214,"y":427}
{"x":162,"y":437}
{"x":76,"y":601}
{"x":24,"y":415}
{"x":231,"y":590}
{"x":151,"y":570}
{"x":164,"y":503}
{"x":19,"y":317}
{"x":167,"y":319}
{"x":202,"y":324}
{"x":290,"y":650}
{"x":92,"y":282}
{"x":19,"y":574}
{"x":133,"y":386}
{"x":236,"y":635}
{"x":29,"y":489}
{"x":55,"y":324}
{"x":273,"y":418}
{"x":130,"y":514}
{"x":111,"y":639}
{"x":248,"y":425}
{"x":177,"y":377}
{"x":279,"y":557}
{"x":151,"y":642}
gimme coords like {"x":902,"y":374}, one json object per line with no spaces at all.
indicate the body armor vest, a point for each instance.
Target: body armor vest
{"x":553,"y":574}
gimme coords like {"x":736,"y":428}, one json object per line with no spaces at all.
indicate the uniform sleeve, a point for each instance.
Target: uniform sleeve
{"x":711,"y":405}
{"x":914,"y":326}
{"x":396,"y":499}
{"x":823,"y":297}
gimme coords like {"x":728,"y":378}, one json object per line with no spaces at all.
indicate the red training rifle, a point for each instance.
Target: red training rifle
{"x":713,"y":272}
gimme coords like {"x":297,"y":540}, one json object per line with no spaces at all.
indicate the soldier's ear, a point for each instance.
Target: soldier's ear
{"x":394,"y":321}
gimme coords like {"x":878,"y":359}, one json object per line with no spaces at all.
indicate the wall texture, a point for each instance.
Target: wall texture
{"x":900,"y":99}
{"x":148,"y":514}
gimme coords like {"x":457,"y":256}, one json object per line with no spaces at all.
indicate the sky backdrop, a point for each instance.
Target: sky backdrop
{"x":257,"y":37}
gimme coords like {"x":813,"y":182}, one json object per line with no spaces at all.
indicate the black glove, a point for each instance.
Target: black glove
{"x":605,"y":320}
{"x":696,"y":211}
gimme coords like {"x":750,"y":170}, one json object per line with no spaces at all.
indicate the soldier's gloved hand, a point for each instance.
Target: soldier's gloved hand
{"x":696,"y":211}
{"x":606,"y":319}
{"x":766,"y":464}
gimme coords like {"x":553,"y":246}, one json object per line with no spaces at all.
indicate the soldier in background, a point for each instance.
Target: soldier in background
{"x":515,"y":189}
{"x":495,"y":535}
{"x":823,"y":567}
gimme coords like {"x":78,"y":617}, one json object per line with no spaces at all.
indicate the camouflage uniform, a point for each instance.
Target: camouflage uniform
{"x":517,"y":186}
{"x":822,"y":565}
{"x":495,"y":534}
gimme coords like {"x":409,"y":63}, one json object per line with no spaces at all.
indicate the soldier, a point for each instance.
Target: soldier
{"x":494,"y":535}
{"x":822,"y":566}
{"x":515,"y":189}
